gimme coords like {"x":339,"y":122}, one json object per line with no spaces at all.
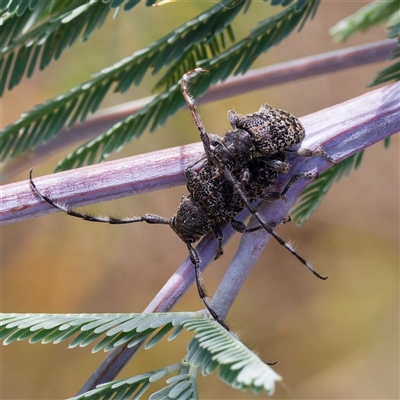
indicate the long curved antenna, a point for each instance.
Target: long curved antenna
{"x":149,"y":218}
{"x":191,"y":102}
{"x":235,"y":184}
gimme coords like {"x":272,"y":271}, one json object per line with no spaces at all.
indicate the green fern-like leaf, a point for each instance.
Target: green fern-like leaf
{"x":240,"y":56}
{"x":181,"y":386}
{"x":313,"y":195}
{"x":374,"y":14}
{"x":57,"y":26}
{"x":131,"y":388}
{"x":239,"y":367}
{"x":194,"y":55}
{"x":46,"y":120}
{"x":37,"y":47}
{"x":391,"y":73}
{"x":19,"y":7}
{"x":211,"y":347}
{"x":116,"y":329}
{"x":154,"y":114}
{"x":364,"y":19}
{"x":270,"y":32}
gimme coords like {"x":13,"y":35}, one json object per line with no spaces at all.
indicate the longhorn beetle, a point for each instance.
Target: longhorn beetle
{"x":236,"y":170}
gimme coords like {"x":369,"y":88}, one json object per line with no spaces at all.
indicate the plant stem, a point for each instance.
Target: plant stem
{"x":285,"y":72}
{"x":343,"y":130}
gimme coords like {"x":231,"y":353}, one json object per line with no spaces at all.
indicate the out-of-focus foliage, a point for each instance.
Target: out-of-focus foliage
{"x":211,"y":348}
{"x":376,"y":13}
{"x":200,"y":41}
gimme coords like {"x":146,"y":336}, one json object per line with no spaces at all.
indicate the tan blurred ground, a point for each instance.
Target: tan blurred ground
{"x":337,"y":339}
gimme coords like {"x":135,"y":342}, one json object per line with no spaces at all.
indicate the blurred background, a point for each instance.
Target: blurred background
{"x":337,"y":339}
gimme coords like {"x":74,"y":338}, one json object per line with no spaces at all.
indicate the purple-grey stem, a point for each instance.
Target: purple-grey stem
{"x":342,"y":130}
{"x":253,"y":80}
